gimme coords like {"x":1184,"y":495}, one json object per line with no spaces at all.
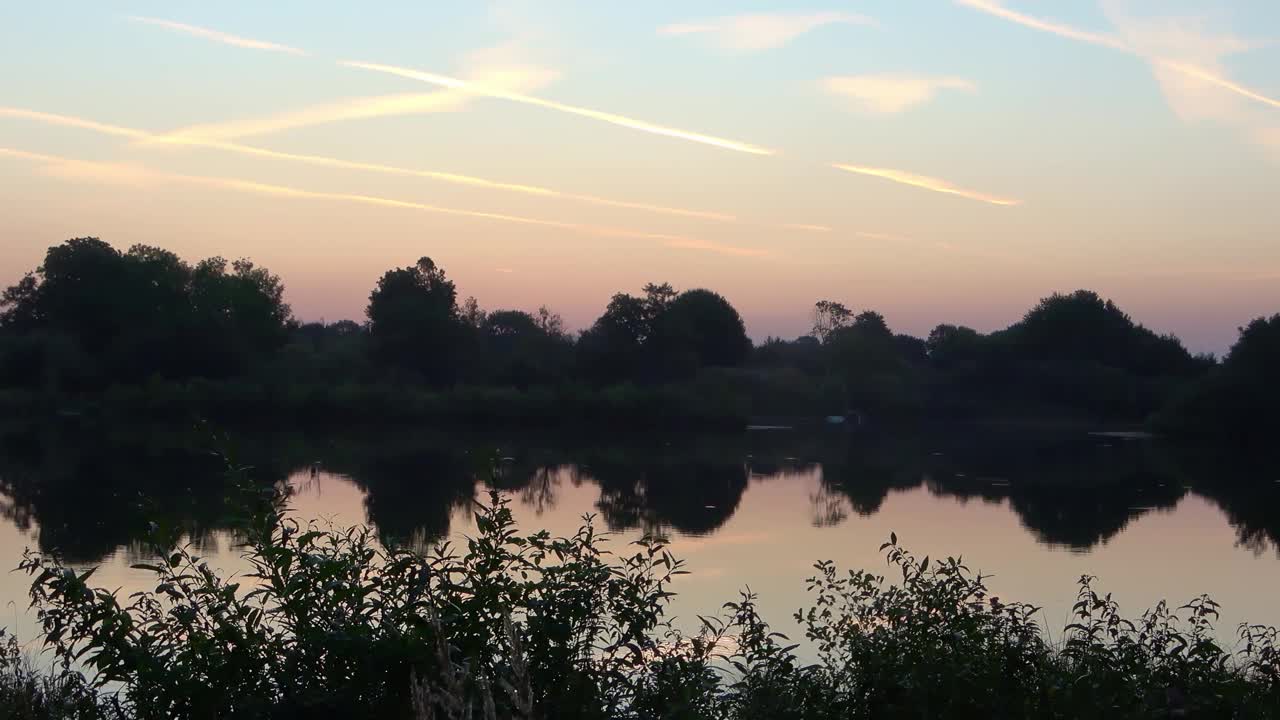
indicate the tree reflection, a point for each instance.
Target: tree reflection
{"x":679,"y":489}
{"x":87,"y":494}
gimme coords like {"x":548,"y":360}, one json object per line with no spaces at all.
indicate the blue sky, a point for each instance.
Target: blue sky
{"x":1000,"y":150}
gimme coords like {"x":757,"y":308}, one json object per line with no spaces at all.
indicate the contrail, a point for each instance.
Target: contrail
{"x":1201,"y":74}
{"x":321,"y":161}
{"x":925,"y":182}
{"x":523,"y":79}
{"x":1000,"y":11}
{"x":1114,"y":43}
{"x":470,"y":87}
{"x":477,"y":89}
{"x":68,"y":121}
{"x":806,"y":227}
{"x":696,"y":244}
{"x":135,"y":173}
{"x":350,"y":109}
{"x":218,"y":36}
{"x":879,"y":236}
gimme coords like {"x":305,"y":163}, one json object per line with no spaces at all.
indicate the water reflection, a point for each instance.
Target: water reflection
{"x":88,"y":494}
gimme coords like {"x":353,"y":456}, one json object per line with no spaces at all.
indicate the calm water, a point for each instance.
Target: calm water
{"x":1036,"y":509}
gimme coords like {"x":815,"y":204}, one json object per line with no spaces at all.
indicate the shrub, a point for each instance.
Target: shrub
{"x":328,"y":622}
{"x":27,"y":694}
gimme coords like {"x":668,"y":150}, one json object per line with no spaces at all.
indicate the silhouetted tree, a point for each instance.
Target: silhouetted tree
{"x":612,"y":349}
{"x":951,"y":346}
{"x":239,"y":316}
{"x":550,"y":322}
{"x":698,"y":329}
{"x":1082,"y":352}
{"x":609,"y":351}
{"x":912,"y":350}
{"x":1083,"y":327}
{"x":663,"y":335}
{"x":414,"y":323}
{"x":327,"y":354}
{"x":828,"y":317}
{"x":804,"y":354}
{"x":1240,"y":399}
{"x":472,"y":315}
{"x":519,"y":349}
{"x":91,"y":316}
{"x":867,"y":356}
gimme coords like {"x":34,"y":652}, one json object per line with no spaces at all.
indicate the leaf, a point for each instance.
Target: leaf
{"x":893,"y":538}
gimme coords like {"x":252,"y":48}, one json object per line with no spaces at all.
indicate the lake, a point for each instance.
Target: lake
{"x":1034,"y":507}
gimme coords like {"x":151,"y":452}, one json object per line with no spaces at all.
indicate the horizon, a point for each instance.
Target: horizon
{"x":955,"y":170}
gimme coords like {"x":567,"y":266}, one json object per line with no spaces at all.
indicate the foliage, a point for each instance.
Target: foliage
{"x":520,"y":350}
{"x":28,"y":694}
{"x":91,"y":316}
{"x":414,"y":323}
{"x":1238,"y":401}
{"x":326,"y":621}
{"x":538,"y":627}
{"x":663,"y":336}
{"x":868,"y":358}
{"x":92,"y":319}
{"x":828,"y":317}
{"x":697,"y":329}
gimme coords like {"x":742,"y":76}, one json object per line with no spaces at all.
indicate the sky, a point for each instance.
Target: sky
{"x":934,"y":160}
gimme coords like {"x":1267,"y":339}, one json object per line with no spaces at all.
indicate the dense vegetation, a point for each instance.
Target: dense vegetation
{"x":537,"y":627}
{"x":146,"y":332}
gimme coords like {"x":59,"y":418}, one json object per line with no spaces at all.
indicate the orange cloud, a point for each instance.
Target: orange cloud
{"x":925,"y":182}
{"x":620,"y":120}
{"x":217,"y":36}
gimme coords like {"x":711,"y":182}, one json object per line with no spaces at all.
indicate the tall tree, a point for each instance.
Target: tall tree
{"x":828,"y":317}
{"x":414,"y":324}
{"x":699,"y":328}
{"x":610,"y":350}
{"x":239,"y":315}
{"x":109,"y":317}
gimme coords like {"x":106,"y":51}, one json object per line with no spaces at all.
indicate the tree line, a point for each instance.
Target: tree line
{"x":91,"y":318}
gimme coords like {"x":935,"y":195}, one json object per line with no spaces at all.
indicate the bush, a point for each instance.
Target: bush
{"x":26,"y":694}
{"x":539,"y":627}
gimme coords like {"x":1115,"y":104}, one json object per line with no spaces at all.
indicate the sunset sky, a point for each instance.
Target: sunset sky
{"x":936,"y":160}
